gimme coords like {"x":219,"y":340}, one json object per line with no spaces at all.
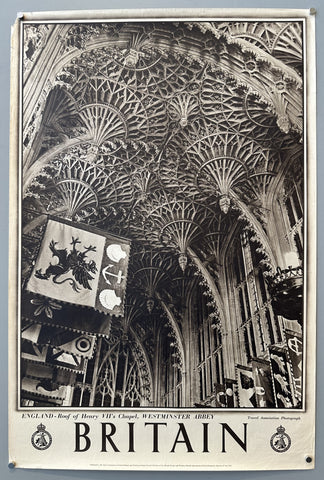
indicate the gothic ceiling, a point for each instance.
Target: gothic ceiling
{"x":167,"y":134}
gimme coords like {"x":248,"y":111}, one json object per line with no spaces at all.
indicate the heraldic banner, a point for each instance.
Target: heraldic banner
{"x":81,"y":266}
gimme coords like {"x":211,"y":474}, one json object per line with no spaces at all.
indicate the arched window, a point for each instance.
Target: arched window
{"x":170,"y":369}
{"x":119,"y":377}
{"x":255,"y":323}
{"x":210,"y":365}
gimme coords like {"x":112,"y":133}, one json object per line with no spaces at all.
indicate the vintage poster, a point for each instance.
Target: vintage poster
{"x":162,"y":240}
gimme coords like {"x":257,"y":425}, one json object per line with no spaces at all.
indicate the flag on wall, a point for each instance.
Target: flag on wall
{"x":43,"y":388}
{"x":65,"y":360}
{"x":230,"y":392}
{"x":65,"y":340}
{"x":43,"y":381}
{"x":295,"y":351}
{"x":263,"y":383}
{"x":220,"y":395}
{"x":281,"y":377}
{"x":246,"y":387}
{"x":57,"y":347}
{"x":81,"y":265}
{"x":46,"y":311}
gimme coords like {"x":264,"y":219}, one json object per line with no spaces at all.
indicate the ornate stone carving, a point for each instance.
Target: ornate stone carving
{"x":35,"y":36}
{"x":144,"y":130}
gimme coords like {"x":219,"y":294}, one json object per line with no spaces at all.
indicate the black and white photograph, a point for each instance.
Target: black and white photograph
{"x":162,"y":214}
{"x":163,"y":223}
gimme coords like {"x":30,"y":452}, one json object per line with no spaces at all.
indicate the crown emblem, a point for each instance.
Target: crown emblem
{"x":280,"y":441}
{"x":41,"y":439}
{"x":41,"y":428}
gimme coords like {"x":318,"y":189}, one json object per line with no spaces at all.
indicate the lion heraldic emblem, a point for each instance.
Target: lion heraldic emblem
{"x":280,"y":441}
{"x":74,"y":262}
{"x":41,"y":439}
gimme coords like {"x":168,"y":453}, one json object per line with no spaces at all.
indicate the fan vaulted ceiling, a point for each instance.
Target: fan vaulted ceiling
{"x":164,"y":133}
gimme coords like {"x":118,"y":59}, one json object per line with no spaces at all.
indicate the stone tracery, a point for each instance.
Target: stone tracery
{"x":162,"y":133}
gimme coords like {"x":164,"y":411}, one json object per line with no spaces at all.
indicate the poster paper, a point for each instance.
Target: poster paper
{"x":162,"y":240}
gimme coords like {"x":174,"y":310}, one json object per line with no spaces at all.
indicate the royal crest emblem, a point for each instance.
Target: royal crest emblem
{"x":280,"y":441}
{"x":41,"y":439}
{"x":74,"y":262}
